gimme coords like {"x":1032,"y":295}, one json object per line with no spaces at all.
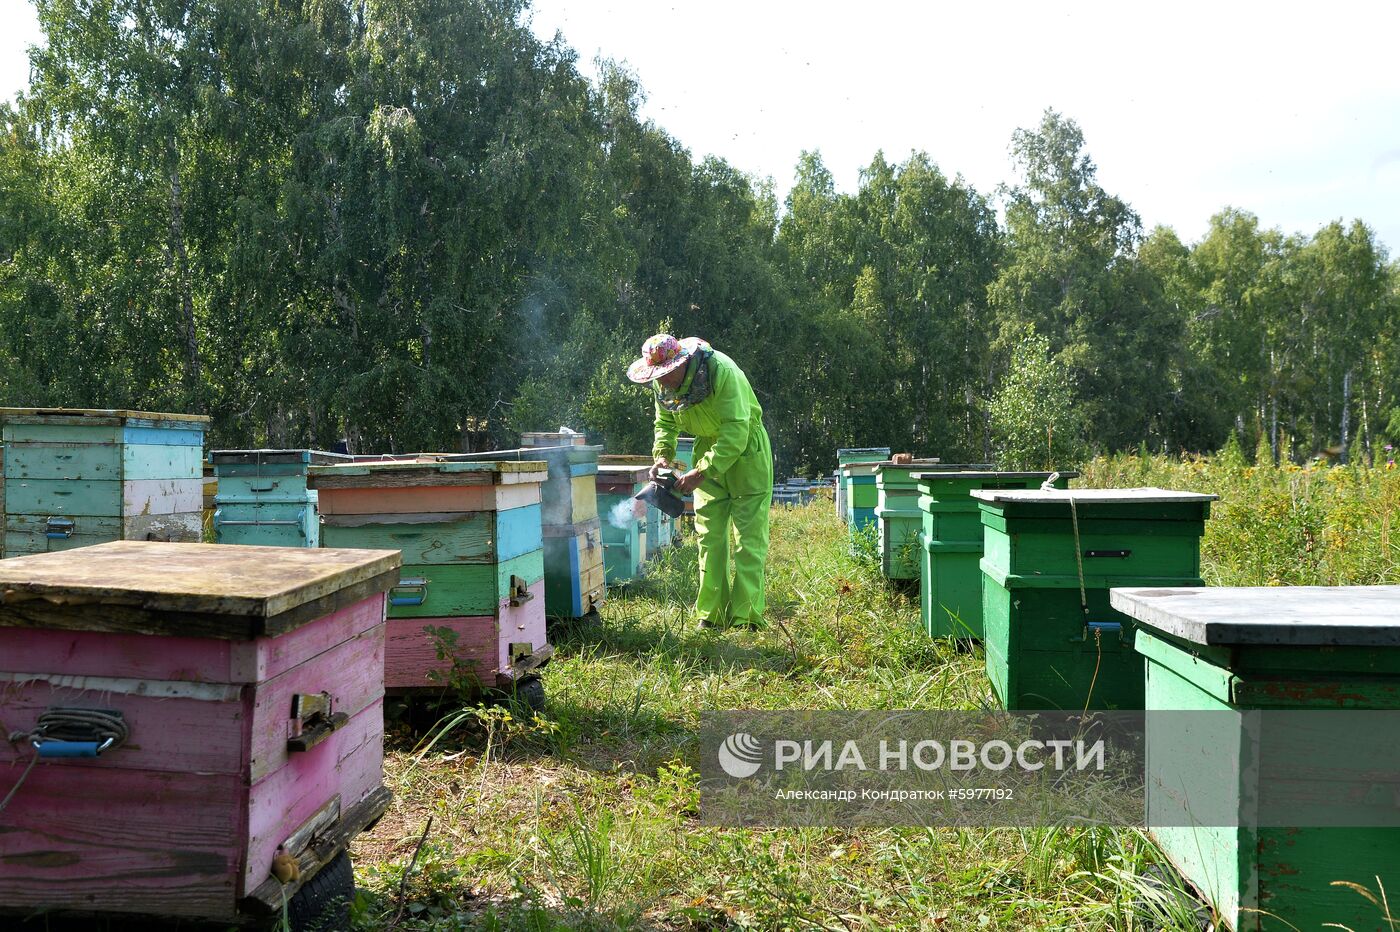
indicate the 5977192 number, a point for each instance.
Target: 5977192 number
{"x":982,"y":794}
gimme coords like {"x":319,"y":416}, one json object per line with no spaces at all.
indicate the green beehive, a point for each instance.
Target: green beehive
{"x":844,"y":457}
{"x":624,"y":518}
{"x":74,"y":477}
{"x":262,"y":497}
{"x":950,"y":543}
{"x":1238,"y":650}
{"x":1049,"y":559}
{"x":897,"y":513}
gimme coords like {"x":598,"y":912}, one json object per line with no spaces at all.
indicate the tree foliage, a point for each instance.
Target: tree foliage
{"x":410,"y":224}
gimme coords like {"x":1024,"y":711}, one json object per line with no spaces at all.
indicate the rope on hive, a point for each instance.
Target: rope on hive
{"x":108,"y":729}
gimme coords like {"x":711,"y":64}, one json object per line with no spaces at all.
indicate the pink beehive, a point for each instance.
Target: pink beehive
{"x":249,"y":682}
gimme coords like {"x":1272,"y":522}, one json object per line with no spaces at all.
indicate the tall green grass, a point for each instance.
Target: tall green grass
{"x":1288,"y":526}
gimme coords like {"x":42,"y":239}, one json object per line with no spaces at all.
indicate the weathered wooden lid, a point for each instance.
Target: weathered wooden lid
{"x":635,"y":471}
{"x":195,"y":590}
{"x":566,"y":453}
{"x":987,"y":473}
{"x":99,"y":414}
{"x":1090,"y":496}
{"x":1304,"y":616}
{"x":252,"y":457}
{"x":429,"y":470}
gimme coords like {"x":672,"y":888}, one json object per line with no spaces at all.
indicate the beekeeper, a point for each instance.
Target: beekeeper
{"x":701,"y":391}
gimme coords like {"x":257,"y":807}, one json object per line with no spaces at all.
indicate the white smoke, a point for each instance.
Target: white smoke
{"x":621,"y":514}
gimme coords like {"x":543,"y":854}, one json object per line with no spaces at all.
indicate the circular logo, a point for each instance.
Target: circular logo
{"x":741,"y":755}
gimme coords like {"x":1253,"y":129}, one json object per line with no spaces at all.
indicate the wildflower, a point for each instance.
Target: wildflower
{"x":843,"y":587}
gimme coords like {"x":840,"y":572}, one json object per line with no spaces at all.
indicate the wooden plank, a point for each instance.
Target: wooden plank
{"x":267,"y":899}
{"x":464,"y":588}
{"x":174,"y":658}
{"x":196,"y":578}
{"x":99,"y":497}
{"x":187,"y":527}
{"x":522,"y":623}
{"x":585,"y":499}
{"x":162,"y":496}
{"x":1354,"y":616}
{"x":121,"y":841}
{"x":411,"y":659}
{"x":25,"y":534}
{"x":265,"y":658}
{"x":63,"y":461}
{"x":162,"y":461}
{"x":425,"y":474}
{"x":482,"y":644}
{"x":1141,"y":496}
{"x":99,"y":414}
{"x":349,"y":763}
{"x":128,"y":656}
{"x":175,"y":727}
{"x":430,"y":500}
{"x":352,"y":672}
{"x":467,"y":538}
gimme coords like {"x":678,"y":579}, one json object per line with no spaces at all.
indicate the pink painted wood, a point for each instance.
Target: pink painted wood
{"x":209,"y":660}
{"x":122,"y":841}
{"x":187,"y":816}
{"x":352,"y":672}
{"x":483,"y":642}
{"x":428,"y":500}
{"x":349,"y":763}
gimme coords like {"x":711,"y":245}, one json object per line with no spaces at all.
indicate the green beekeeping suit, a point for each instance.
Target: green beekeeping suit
{"x":733,"y":452}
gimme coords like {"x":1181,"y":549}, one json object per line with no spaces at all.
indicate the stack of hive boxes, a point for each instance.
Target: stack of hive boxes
{"x":78,"y":477}
{"x":857,"y":495}
{"x":472,"y":580}
{"x":262,"y":498}
{"x":573,"y":540}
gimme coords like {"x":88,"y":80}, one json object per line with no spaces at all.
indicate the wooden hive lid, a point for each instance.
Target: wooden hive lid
{"x":1145,"y":496}
{"x":1303,"y":616}
{"x":426,"y":471}
{"x":197,"y":590}
{"x":253,"y":457}
{"x":637,"y":472}
{"x":98,"y":415}
{"x":980,"y":471}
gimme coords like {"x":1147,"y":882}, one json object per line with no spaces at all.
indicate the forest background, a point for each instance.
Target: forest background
{"x":412,"y":225}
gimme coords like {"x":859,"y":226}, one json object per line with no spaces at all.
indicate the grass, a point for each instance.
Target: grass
{"x":586,"y":817}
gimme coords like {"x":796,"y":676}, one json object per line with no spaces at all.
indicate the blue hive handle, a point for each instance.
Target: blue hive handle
{"x":59,"y":528}
{"x":52,"y":747}
{"x":412,"y":591}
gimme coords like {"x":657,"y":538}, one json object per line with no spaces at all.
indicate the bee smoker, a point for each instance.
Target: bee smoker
{"x":660,"y":494}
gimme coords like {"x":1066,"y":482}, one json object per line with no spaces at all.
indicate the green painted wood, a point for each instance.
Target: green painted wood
{"x":468,"y":538}
{"x":102,"y":461}
{"x":462,"y":589}
{"x":1253,"y":875}
{"x":101,"y":497}
{"x":25,"y":534}
{"x":1042,"y":650}
{"x":950,"y":577}
{"x":262,"y":523}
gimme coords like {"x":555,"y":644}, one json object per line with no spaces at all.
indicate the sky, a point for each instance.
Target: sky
{"x":1290,"y":111}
